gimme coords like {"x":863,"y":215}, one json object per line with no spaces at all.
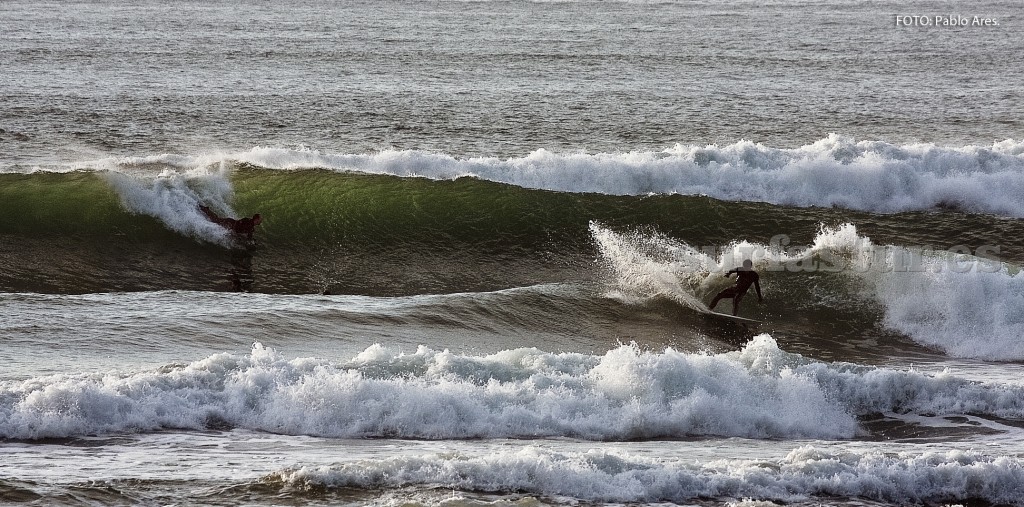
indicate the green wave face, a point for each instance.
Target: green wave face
{"x":48,"y":204}
{"x":376,"y":234}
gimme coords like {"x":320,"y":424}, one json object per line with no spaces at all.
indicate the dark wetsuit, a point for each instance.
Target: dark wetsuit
{"x":242,"y":227}
{"x":745,"y":277}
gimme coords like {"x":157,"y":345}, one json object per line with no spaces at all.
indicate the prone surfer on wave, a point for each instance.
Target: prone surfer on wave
{"x":243,"y":227}
{"x":745,"y":277}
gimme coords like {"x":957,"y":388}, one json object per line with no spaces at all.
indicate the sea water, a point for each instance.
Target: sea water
{"x":490,"y":229}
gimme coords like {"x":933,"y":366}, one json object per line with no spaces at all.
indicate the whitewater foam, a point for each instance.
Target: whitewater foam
{"x":174,"y":197}
{"x":760,"y":391}
{"x":967,"y":305}
{"x":651,"y":264}
{"x":604,"y":476}
{"x":977,"y":314}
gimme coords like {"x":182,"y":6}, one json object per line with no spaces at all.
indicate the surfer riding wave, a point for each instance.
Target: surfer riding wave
{"x":745,"y":277}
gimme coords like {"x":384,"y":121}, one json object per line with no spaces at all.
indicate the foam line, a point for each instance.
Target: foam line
{"x":804,"y":474}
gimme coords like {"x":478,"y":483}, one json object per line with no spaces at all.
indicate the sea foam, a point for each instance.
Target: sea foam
{"x":804,"y":474}
{"x":174,"y":197}
{"x":760,"y":391}
{"x":975,"y":314}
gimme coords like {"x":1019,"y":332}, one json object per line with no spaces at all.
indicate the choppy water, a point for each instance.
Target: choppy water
{"x":519,"y":210}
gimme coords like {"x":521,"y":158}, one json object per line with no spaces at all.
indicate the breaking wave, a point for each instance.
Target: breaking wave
{"x":966,"y":305}
{"x":759,"y":391}
{"x":836,"y":171}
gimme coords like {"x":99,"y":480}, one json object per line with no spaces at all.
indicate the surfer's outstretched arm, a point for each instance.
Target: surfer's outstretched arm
{"x":210,"y":215}
{"x":757,"y":287}
{"x":227,"y":223}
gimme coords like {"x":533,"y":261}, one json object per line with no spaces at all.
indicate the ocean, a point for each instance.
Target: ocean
{"x":490,"y":232}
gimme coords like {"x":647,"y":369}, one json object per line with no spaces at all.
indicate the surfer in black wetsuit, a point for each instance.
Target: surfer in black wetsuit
{"x":745,"y":277}
{"x":241,"y":273}
{"x":242,"y":227}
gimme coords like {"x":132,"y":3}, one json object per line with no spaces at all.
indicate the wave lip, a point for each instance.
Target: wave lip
{"x":599,"y":476}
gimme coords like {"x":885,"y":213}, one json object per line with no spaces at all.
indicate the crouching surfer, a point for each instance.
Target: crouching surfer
{"x":745,"y":277}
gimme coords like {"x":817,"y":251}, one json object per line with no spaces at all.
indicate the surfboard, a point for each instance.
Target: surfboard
{"x":731,"y":317}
